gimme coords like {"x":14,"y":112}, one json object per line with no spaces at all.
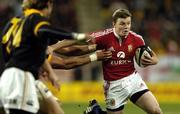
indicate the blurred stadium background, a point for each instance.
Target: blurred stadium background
{"x":158,"y":21}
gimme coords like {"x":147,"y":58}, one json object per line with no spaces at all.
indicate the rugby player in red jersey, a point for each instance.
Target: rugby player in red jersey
{"x":122,"y":81}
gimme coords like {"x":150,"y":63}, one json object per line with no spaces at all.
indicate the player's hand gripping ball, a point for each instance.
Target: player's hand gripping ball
{"x":141,"y":52}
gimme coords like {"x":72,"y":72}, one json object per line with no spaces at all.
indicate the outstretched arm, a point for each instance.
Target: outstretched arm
{"x":62,"y":44}
{"x":72,"y":62}
{"x":76,"y":50}
{"x":71,"y":48}
{"x":47,"y":31}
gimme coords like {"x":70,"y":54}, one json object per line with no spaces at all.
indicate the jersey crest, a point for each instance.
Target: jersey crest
{"x":130,"y":48}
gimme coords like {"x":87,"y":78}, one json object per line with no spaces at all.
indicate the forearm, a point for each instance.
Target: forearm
{"x":48,"y":68}
{"x":77,"y":61}
{"x":81,"y":60}
{"x":62,"y":44}
{"x":53,"y":107}
{"x":69,"y":63}
{"x":76,"y":50}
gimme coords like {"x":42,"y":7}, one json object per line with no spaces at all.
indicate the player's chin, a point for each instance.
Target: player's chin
{"x":125,"y":34}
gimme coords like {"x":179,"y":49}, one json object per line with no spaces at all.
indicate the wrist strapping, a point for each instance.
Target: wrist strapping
{"x":43,"y":90}
{"x":93,"y":57}
{"x":79,"y":36}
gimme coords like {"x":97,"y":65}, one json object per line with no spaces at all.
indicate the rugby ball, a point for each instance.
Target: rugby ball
{"x":141,"y":52}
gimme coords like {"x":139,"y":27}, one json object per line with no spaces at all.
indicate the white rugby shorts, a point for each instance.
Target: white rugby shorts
{"x":119,"y":91}
{"x":18,"y":91}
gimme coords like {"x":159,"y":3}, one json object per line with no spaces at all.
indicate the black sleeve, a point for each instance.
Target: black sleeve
{"x":42,"y":28}
{"x":50,"y":32}
{"x":52,"y":41}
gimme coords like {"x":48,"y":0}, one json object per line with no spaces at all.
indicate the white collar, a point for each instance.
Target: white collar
{"x":117,"y":36}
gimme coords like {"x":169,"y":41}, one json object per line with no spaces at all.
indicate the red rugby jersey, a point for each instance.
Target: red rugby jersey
{"x":123,"y":50}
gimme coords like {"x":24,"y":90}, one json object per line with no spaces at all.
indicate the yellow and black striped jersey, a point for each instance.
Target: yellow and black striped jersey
{"x":25,"y":39}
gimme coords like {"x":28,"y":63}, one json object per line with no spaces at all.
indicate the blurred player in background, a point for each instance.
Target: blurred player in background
{"x":122,"y":81}
{"x":24,"y":42}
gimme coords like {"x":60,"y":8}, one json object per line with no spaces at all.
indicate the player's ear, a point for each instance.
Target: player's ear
{"x":113,"y":23}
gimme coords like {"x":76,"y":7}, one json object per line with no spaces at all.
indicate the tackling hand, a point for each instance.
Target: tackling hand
{"x":103,"y":54}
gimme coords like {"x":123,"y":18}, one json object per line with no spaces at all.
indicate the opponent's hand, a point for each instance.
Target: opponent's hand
{"x":49,"y":50}
{"x":146,"y":60}
{"x":103,"y":54}
{"x":44,"y":76}
{"x":88,"y":37}
{"x":82,"y":37}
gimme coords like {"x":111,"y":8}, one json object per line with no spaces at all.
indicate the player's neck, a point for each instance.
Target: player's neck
{"x":117,"y":36}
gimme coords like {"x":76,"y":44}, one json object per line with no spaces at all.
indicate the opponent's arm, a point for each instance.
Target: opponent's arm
{"x":76,"y":50}
{"x":46,"y":67}
{"x":62,"y":44}
{"x":72,"y":62}
{"x":47,"y":31}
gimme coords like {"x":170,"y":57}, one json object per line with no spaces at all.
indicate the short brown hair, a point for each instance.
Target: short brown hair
{"x":120,"y":13}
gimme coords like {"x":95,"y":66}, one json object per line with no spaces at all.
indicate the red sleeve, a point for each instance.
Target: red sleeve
{"x":97,"y":40}
{"x":99,"y":37}
{"x":139,"y":41}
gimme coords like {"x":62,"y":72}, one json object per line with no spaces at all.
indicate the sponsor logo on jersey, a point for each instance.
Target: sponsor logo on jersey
{"x":120,"y":62}
{"x":121,"y":55}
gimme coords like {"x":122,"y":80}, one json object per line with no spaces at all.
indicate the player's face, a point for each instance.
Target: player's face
{"x":122,"y":26}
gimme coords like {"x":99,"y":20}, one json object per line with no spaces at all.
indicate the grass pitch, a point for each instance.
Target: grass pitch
{"x":78,"y":108}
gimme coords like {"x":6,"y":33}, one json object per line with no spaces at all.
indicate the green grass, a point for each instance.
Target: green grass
{"x":77,"y":108}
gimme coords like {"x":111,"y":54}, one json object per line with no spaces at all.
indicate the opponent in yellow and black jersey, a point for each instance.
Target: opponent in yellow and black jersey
{"x":25,"y":39}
